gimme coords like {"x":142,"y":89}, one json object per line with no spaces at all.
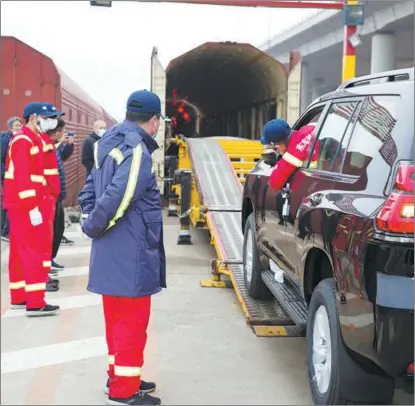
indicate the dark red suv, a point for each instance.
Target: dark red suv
{"x":336,"y":248}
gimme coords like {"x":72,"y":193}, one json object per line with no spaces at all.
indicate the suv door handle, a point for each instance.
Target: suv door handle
{"x":316,"y":199}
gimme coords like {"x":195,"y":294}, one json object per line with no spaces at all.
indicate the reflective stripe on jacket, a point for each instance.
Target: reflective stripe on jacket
{"x":50,"y":171}
{"x":123,"y":203}
{"x":24,"y":181}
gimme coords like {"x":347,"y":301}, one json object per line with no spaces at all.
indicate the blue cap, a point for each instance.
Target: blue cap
{"x":275,"y":131}
{"x":52,"y":110}
{"x":144,"y":101}
{"x":41,"y":109}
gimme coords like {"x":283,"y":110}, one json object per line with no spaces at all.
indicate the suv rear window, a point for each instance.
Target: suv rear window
{"x":372,"y":134}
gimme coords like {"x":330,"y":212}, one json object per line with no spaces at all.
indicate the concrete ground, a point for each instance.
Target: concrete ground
{"x":200,"y":351}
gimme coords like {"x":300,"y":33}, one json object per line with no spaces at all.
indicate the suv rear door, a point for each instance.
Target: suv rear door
{"x":366,"y":166}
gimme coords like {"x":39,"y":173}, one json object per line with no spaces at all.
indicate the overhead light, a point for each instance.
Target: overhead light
{"x":355,"y":40}
{"x":101,"y":3}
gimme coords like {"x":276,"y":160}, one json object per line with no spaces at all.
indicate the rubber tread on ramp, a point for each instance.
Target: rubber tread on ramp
{"x":227,"y":230}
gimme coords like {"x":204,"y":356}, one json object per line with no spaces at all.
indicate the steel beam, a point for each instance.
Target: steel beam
{"x":336,"y":4}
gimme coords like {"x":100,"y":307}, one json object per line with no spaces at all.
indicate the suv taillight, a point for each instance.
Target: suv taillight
{"x":397,"y":214}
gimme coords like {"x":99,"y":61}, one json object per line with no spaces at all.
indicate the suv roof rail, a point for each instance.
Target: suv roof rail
{"x":389,"y":76}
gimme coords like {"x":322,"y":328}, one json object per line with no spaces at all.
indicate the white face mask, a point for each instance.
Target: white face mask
{"x":47,"y":124}
{"x":101,"y":132}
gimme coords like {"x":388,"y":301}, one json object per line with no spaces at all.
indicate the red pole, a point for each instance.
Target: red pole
{"x":349,"y":51}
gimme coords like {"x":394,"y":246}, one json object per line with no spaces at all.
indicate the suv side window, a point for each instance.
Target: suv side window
{"x":337,"y":123}
{"x":371,"y":134}
{"x":312,"y":116}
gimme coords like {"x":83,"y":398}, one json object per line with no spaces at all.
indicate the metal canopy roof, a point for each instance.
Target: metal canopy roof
{"x":223,"y":76}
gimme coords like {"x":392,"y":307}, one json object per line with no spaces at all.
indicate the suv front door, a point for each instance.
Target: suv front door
{"x":275,"y":230}
{"x":310,"y":213}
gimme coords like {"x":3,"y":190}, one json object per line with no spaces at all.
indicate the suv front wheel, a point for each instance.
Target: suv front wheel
{"x":252,"y":266}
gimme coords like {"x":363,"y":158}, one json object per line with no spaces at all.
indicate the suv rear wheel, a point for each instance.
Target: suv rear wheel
{"x":251,"y":264}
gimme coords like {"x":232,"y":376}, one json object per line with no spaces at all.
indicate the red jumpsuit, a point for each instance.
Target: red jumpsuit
{"x":297,"y":153}
{"x":24,"y":190}
{"x":53,"y":189}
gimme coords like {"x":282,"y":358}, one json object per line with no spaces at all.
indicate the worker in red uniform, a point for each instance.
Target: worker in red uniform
{"x":53,"y":189}
{"x":294,"y":147}
{"x":24,"y":194}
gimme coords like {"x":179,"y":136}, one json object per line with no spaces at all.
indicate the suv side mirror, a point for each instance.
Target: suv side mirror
{"x":269,"y":157}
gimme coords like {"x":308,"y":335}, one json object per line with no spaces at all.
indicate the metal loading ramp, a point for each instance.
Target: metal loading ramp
{"x":220,"y":192}
{"x":217,"y":183}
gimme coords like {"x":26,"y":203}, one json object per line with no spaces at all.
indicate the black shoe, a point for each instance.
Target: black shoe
{"x":5,"y":238}
{"x":140,"y":398}
{"x":56,"y":267}
{"x":66,"y":241}
{"x":146,"y":387}
{"x":52,"y":286}
{"x":53,"y":272}
{"x":47,"y":310}
{"x":17,"y":306}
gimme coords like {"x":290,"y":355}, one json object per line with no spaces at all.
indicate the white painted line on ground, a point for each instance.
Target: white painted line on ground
{"x":72,"y":234}
{"x":31,"y":358}
{"x":66,"y":302}
{"x":74,"y":250}
{"x":79,"y":271}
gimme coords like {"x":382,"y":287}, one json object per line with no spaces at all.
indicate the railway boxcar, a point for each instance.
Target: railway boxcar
{"x":28,"y":75}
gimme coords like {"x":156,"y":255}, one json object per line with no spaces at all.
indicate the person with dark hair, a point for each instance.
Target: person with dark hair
{"x":24,"y":198}
{"x":64,"y":149}
{"x":14,"y":125}
{"x":100,"y":127}
{"x":122,"y":213}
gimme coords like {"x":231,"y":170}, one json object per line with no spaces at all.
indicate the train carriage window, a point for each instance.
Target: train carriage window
{"x":328,"y":149}
{"x":372,"y":133}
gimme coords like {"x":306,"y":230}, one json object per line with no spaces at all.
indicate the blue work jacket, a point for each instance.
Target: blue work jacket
{"x":122,"y":200}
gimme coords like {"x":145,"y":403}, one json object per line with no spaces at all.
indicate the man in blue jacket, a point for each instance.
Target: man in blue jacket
{"x":122,"y":213}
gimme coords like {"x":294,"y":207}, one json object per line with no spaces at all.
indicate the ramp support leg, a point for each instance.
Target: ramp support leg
{"x":185,"y":181}
{"x":218,"y":269}
{"x":171,"y":195}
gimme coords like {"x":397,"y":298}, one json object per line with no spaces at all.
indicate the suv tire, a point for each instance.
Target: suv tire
{"x":251,"y":265}
{"x":322,"y":342}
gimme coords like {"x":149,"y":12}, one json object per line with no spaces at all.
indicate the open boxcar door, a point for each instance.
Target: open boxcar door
{"x":158,"y":86}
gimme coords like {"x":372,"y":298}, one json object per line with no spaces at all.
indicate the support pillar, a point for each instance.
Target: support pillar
{"x":305,"y":87}
{"x":316,"y":88}
{"x":253,"y":123}
{"x":383,"y":53}
{"x":172,"y":163}
{"x":260,"y":120}
{"x":239,"y":124}
{"x":184,"y":178}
